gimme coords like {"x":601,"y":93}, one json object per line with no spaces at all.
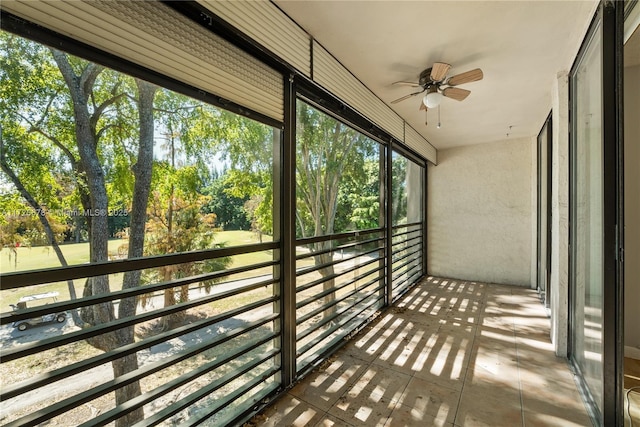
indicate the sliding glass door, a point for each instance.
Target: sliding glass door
{"x":587,"y":283}
{"x":595,"y":267}
{"x":544,"y":211}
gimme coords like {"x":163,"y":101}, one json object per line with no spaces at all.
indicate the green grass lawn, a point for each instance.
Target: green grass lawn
{"x":45,"y":257}
{"x":78,"y":253}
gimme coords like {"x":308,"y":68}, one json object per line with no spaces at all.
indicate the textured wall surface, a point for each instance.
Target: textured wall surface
{"x":632,"y":205}
{"x":559,"y":283}
{"x":479,"y":219}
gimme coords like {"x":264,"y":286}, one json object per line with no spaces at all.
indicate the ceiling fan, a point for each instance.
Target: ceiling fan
{"x":435,"y":83}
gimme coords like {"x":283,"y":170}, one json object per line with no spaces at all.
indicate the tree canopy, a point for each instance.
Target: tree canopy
{"x":79,"y":137}
{"x":80,"y":141}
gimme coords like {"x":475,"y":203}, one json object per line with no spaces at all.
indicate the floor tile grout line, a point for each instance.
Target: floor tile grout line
{"x":466,"y":371}
{"x":349,"y":387}
{"x":322,"y":413}
{"x":515,"y":342}
{"x":395,"y":405}
{"x":368,"y":365}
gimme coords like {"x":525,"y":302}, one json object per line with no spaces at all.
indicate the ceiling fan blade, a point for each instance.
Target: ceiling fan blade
{"x":456,"y":93}
{"x":439,"y":71}
{"x":468,"y":77}
{"x":403,"y":83}
{"x":395,"y":101}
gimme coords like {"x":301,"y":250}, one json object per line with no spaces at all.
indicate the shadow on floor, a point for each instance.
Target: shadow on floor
{"x":449,"y":353}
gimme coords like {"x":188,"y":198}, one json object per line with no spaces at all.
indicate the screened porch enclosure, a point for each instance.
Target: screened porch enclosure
{"x":212,"y":224}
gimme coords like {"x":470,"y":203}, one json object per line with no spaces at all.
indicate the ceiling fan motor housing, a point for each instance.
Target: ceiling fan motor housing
{"x":425,"y":78}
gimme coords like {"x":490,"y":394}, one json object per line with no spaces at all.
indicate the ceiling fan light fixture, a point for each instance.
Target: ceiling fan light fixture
{"x":436,"y":85}
{"x":432,"y":99}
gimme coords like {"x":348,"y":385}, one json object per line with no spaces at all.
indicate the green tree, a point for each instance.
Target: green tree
{"x":177,"y":223}
{"x":247,"y":147}
{"x":229,"y":209}
{"x":30,"y":154}
{"x":399,"y":189}
{"x":187,"y":229}
{"x":329,"y":155}
{"x":63,"y":116}
{"x":359,"y":199}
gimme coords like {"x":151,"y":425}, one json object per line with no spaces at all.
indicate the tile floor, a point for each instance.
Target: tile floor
{"x":449,"y":353}
{"x":631,"y":398}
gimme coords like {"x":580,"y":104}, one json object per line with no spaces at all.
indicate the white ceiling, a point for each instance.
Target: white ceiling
{"x":520,"y":46}
{"x":632,"y":50}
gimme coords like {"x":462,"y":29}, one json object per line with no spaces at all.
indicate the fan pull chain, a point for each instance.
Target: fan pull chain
{"x":438,"y":117}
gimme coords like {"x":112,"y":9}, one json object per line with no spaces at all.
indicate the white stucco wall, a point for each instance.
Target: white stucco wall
{"x":533,"y":273}
{"x":479,"y":216}
{"x":632,"y":206}
{"x":559,"y":283}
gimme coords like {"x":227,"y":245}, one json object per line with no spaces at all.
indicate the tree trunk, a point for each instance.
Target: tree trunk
{"x":184,"y":293}
{"x":325,"y":272}
{"x":169,"y":321}
{"x":138,"y":215}
{"x":78,"y":224}
{"x":142,"y":186}
{"x":80,"y":88}
{"x":121,"y":367}
{"x":175,"y":319}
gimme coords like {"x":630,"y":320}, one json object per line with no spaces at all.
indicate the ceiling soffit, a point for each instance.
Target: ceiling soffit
{"x":520,"y":46}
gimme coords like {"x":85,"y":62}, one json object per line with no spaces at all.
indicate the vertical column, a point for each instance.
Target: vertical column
{"x":613,"y":215}
{"x":425,"y":203}
{"x":535,"y":214}
{"x":286,"y":166}
{"x":560,"y":215}
{"x":388,"y":221}
{"x":415,"y":211}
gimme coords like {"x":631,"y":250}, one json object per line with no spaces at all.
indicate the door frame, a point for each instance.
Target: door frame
{"x":609,"y":14}
{"x":547,"y":127}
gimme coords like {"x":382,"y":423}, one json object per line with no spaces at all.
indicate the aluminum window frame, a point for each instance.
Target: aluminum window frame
{"x":296,"y":86}
{"x":611,"y":16}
